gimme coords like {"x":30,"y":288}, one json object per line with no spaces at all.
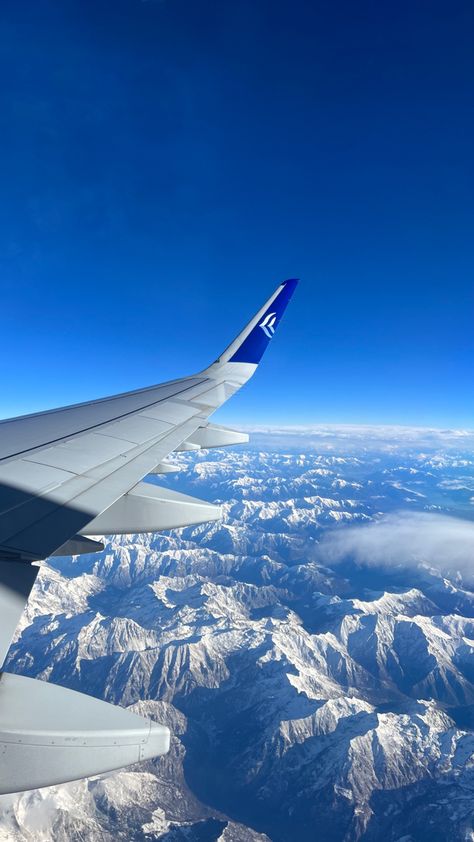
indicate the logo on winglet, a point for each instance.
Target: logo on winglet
{"x":268,"y":324}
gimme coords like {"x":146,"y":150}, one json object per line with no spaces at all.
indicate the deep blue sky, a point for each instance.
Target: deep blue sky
{"x":165,"y":164}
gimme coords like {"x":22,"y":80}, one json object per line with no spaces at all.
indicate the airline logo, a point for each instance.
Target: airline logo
{"x":268,"y":324}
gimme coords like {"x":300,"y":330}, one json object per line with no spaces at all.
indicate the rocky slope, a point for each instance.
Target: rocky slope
{"x":308,"y":699}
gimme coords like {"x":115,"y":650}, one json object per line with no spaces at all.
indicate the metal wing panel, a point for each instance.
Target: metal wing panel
{"x":174,"y":412}
{"x":55,"y":477}
{"x":18,"y":435}
{"x":59,"y":471}
{"x":40,"y":524}
{"x":32,"y":476}
{"x":137,"y":429}
{"x":79,"y":455}
{"x":51,"y":494}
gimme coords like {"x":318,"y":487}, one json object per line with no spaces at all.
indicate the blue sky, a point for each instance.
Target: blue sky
{"x":165,"y":164}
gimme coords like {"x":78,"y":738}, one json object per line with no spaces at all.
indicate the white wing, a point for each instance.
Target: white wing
{"x":76,"y":472}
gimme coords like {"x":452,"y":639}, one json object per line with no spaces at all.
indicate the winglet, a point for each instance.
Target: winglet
{"x":250,"y":345}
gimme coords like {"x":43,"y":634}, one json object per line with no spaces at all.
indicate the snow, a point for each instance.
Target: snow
{"x":304,"y":695}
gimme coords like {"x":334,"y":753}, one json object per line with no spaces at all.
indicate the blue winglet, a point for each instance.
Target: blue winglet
{"x":254,"y":345}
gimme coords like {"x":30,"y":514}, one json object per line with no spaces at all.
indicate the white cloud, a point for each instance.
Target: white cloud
{"x":404,"y":539}
{"x":350,"y":437}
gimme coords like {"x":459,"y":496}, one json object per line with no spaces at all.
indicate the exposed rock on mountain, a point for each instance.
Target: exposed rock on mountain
{"x":307,"y":700}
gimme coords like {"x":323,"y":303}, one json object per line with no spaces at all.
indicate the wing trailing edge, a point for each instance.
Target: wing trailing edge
{"x":150,"y":508}
{"x":213,"y":435}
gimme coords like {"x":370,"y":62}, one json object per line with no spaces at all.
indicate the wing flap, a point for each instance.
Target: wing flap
{"x":79,"y":545}
{"x":149,"y":508}
{"x":165,"y":468}
{"x":213,"y":435}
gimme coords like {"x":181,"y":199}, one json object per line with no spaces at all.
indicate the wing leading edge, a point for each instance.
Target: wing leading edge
{"x":75,"y":472}
{"x":59,"y":470}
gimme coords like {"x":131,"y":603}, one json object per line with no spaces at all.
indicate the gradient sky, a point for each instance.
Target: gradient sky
{"x":165,"y":164}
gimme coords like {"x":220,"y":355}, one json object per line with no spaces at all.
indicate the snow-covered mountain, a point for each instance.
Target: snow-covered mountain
{"x":316,"y":690}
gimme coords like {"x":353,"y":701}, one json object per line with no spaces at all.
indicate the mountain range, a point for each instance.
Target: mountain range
{"x":312,"y":653}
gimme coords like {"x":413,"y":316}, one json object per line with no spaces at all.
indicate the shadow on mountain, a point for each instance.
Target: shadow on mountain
{"x":279,"y":797}
{"x":463,"y":716}
{"x":439,"y":810}
{"x":209,"y":830}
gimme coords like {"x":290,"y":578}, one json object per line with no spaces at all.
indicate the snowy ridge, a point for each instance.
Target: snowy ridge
{"x":304,"y":698}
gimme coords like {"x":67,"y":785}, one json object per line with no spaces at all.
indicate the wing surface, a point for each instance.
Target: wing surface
{"x":59,"y":470}
{"x":76,"y":472}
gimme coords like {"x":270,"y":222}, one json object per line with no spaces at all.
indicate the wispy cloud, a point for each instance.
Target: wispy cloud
{"x":383,"y":438}
{"x":405,"y":539}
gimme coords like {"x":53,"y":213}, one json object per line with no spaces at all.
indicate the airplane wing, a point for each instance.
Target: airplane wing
{"x":76,"y":472}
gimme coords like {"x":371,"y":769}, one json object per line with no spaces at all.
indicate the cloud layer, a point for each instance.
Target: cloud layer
{"x":352,"y":437}
{"x":404,"y":539}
